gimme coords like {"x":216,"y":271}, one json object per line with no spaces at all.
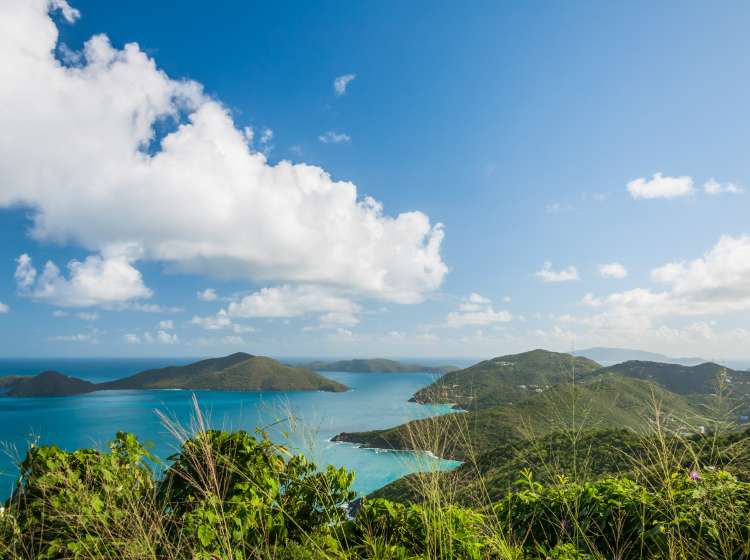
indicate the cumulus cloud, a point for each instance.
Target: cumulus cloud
{"x":95,"y":281}
{"x":613,"y":270}
{"x":221,"y":320}
{"x":4,"y":308}
{"x":332,"y":137}
{"x":476,"y":309}
{"x":712,"y":186}
{"x":161,"y":337}
{"x":213,"y":322}
{"x":209,"y":294}
{"x":660,"y":186}
{"x":82,"y":151}
{"x":564,"y":275}
{"x":131,"y":338}
{"x":291,"y":301}
{"x":166,"y":325}
{"x":25,"y":272}
{"x":341,"y":82}
{"x":714,"y":284}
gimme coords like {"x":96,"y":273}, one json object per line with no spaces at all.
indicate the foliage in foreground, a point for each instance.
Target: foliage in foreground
{"x":232,"y":495}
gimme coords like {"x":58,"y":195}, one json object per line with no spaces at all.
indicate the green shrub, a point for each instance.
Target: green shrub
{"x":706,"y":516}
{"x":229,"y":491}
{"x":80,"y":503}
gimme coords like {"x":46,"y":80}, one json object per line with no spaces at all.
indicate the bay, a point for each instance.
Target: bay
{"x":304,"y":421}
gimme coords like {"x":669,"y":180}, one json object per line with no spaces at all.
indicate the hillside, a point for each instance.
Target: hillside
{"x":607,"y":355}
{"x":685,"y":380}
{"x":608,"y":402}
{"x":505,"y":379}
{"x":236,"y":372}
{"x":49,"y":384}
{"x":376,"y":365}
{"x":594,"y":454}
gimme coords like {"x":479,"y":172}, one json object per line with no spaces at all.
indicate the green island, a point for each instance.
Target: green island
{"x":562,"y":459}
{"x":376,"y":365}
{"x":236,"y":372}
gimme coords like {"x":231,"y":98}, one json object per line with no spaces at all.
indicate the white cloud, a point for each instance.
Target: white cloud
{"x":209,"y":294}
{"x":660,"y":187}
{"x":565,"y":275}
{"x":712,"y":186}
{"x":476,"y":309}
{"x":557,"y":208}
{"x":336,"y":319}
{"x":81,"y":151}
{"x":221,"y":320}
{"x":25,"y":272}
{"x":88,"y":316}
{"x":213,"y":322}
{"x":715,"y":284}
{"x":161,"y":337}
{"x":59,"y":313}
{"x":344,"y":333}
{"x":95,"y":281}
{"x":613,"y":270}
{"x":166,"y":325}
{"x":4,"y":308}
{"x":291,"y":301}
{"x":332,"y":137}
{"x":266,"y":136}
{"x":591,"y":300}
{"x":341,"y":82}
{"x":132,"y":338}
{"x":70,"y":14}
{"x":718,"y":281}
{"x":89,"y":337}
{"x":144,"y":307}
{"x":235,"y":340}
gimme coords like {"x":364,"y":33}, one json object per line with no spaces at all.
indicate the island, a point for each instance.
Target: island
{"x":45,"y":384}
{"x":376,"y":365}
{"x":236,"y":372}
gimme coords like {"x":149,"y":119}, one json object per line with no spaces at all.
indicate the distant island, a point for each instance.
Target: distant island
{"x":236,"y":372}
{"x":376,"y":365}
{"x":606,"y":356}
{"x":45,"y":384}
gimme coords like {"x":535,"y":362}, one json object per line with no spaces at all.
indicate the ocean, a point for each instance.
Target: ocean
{"x":377,"y":400}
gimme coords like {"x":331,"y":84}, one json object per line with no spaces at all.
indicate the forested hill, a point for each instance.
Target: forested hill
{"x":505,"y":379}
{"x":46,"y":384}
{"x":703,"y":378}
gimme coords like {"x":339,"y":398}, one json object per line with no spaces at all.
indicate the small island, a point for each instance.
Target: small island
{"x":376,"y":365}
{"x":45,"y":384}
{"x":236,"y":372}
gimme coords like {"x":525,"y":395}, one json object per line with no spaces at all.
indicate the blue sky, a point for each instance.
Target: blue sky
{"x":603,"y":138}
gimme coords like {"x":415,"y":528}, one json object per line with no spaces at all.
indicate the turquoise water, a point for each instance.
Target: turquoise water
{"x":377,"y":400}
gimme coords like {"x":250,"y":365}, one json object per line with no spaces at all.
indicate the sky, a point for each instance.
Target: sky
{"x":373,"y":179}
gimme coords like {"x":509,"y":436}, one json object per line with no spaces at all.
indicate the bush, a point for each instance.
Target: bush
{"x":690,"y":516}
{"x":229,"y":491}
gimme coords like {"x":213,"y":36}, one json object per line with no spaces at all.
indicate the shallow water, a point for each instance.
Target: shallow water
{"x":377,"y":400}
